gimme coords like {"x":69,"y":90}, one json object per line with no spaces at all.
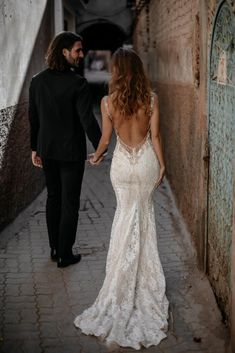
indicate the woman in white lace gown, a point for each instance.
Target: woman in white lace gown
{"x":131,"y":308}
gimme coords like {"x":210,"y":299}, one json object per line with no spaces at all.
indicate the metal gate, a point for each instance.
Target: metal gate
{"x":221,"y":147}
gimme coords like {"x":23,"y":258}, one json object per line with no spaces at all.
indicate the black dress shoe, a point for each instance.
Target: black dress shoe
{"x":53,"y":254}
{"x":68,"y":261}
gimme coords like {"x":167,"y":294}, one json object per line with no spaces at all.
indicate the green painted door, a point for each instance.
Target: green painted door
{"x":221,"y":148}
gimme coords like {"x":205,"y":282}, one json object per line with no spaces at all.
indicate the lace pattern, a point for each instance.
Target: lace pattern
{"x":131,"y":308}
{"x":133,"y":153}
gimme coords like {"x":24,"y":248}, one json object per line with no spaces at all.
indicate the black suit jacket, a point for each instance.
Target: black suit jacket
{"x":60,"y":113}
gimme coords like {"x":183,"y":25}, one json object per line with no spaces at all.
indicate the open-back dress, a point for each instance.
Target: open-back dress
{"x":131,"y":308}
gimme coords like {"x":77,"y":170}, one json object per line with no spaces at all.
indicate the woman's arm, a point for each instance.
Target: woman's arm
{"x":156,"y":138}
{"x":107,"y":128}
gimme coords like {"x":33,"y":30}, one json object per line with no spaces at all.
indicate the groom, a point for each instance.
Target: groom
{"x":60,"y":113}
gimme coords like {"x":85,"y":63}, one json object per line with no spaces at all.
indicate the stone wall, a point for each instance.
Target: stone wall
{"x":20,"y":182}
{"x":170,"y":54}
{"x":173,"y":38}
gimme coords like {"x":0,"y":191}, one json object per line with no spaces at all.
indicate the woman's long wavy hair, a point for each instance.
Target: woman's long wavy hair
{"x":129,"y":85}
{"x":54,"y":56}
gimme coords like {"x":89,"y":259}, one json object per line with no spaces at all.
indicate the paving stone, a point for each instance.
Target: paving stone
{"x":43,"y":289}
{"x":20,"y":299}
{"x":45,"y":301}
{"x":22,"y":331}
{"x":90,"y":344}
{"x":67,"y":329}
{"x":49,"y":330}
{"x":56,"y":349}
{"x":29,"y":316}
{"x":31,"y":346}
{"x":19,"y":306}
{"x":11,"y":316}
{"x":51,"y":343}
{"x":27,"y":289}
{"x":10,"y":346}
{"x":71,"y":344}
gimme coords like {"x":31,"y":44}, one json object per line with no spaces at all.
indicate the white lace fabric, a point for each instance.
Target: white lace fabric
{"x":131,"y":308}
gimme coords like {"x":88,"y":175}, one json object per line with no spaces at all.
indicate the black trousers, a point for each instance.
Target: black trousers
{"x":63,"y":181}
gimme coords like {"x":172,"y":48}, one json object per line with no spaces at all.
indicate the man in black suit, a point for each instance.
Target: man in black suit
{"x":60,"y":113}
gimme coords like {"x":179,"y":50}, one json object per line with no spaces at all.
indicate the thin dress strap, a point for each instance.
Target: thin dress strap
{"x":151,"y":110}
{"x":151,"y":104}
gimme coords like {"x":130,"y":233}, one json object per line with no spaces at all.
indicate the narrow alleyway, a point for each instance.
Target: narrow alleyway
{"x":39,"y":301}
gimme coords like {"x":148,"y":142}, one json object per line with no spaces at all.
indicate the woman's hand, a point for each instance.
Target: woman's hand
{"x":36,"y":160}
{"x":162,"y":173}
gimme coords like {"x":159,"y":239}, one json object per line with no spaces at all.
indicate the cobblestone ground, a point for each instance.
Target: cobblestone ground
{"x":39,"y":301}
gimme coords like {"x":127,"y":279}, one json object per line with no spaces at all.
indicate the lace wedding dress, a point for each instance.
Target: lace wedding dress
{"x":131,"y":308}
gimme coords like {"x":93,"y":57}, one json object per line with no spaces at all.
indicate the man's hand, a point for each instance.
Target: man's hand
{"x":36,"y":160}
{"x":93,"y":161}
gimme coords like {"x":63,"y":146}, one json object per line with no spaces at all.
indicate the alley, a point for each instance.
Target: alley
{"x":39,"y":301}
{"x":187,"y":49}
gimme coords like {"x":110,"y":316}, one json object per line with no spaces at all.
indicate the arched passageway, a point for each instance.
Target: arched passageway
{"x":100,"y":35}
{"x":103,"y":35}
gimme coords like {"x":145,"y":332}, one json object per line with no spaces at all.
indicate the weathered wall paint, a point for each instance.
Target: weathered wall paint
{"x":221,"y":122}
{"x":19,"y":25}
{"x":20,"y":182}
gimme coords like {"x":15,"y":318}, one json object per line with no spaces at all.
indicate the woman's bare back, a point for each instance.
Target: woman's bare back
{"x":132,"y":130}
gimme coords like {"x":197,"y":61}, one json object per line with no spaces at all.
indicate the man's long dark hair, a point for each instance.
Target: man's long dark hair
{"x":54,"y":57}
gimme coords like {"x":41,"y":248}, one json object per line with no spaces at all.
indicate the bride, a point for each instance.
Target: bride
{"x":131,"y":308}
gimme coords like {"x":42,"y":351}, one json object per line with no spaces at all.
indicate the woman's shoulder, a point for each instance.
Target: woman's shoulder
{"x":108,"y":96}
{"x":106,"y":103}
{"x":107,"y":100}
{"x":104,"y":98}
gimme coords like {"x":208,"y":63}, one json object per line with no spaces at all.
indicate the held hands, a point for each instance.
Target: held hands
{"x":36,"y":160}
{"x":92,"y":159}
{"x":162,"y":173}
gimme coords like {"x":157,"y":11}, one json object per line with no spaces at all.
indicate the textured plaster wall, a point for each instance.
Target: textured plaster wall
{"x":20,"y":182}
{"x":19,"y":25}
